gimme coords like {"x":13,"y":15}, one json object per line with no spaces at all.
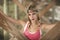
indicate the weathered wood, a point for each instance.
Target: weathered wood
{"x":10,"y":28}
{"x":53,"y":34}
{"x":19,"y":5}
{"x":46,"y":9}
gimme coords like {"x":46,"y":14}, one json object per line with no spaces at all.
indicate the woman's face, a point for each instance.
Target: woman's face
{"x":32,"y":15}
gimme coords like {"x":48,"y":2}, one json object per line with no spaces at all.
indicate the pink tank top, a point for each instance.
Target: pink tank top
{"x":32,"y":36}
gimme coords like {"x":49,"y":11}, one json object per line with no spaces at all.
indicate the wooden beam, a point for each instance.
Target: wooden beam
{"x":53,"y":34}
{"x":10,"y":28}
{"x":19,"y":5}
{"x":46,"y":9}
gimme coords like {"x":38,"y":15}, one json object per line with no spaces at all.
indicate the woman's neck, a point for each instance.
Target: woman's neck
{"x":34,"y":26}
{"x":34,"y":22}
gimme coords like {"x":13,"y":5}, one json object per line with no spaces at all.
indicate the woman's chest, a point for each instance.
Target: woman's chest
{"x":32,"y":31}
{"x":34,"y":35}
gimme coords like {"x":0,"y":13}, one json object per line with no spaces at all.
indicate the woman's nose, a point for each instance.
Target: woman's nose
{"x":32,"y":16}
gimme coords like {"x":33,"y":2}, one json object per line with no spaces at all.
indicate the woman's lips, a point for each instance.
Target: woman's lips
{"x":32,"y":19}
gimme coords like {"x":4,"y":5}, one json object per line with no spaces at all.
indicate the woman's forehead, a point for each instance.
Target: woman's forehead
{"x":32,"y":11}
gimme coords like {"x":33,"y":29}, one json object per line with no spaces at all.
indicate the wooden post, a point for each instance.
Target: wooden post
{"x":6,"y":37}
{"x":15,"y":11}
{"x":5,"y":6}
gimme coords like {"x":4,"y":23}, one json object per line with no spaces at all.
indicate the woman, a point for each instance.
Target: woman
{"x":32,"y":29}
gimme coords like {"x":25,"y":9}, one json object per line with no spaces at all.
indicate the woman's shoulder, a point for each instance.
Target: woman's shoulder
{"x":26,"y":25}
{"x":48,"y":24}
{"x":47,"y":27}
{"x":28,"y":22}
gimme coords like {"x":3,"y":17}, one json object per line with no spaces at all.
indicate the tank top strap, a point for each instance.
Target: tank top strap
{"x":39,"y":29}
{"x":26,"y":26}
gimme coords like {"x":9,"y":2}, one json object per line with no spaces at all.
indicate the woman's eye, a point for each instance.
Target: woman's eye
{"x":33,"y":13}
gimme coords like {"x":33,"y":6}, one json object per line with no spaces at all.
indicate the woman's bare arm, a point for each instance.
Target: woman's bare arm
{"x":6,"y":17}
{"x":18,"y":22}
{"x":47,"y":27}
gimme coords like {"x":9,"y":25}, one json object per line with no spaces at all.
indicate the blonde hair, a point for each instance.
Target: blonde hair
{"x":30,"y":20}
